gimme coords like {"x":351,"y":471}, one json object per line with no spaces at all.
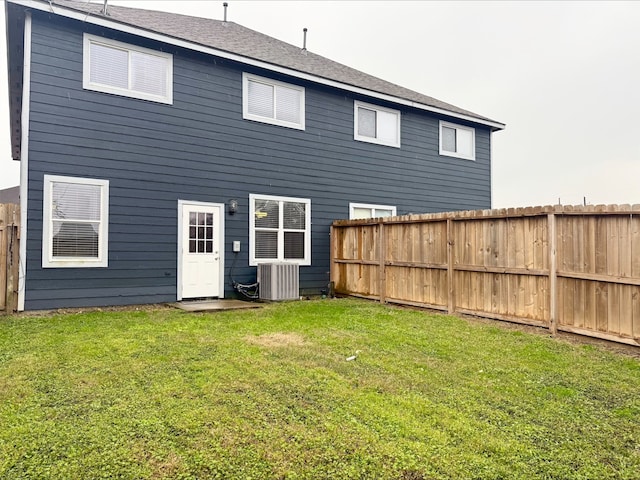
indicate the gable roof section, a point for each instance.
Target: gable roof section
{"x":233,"y":41}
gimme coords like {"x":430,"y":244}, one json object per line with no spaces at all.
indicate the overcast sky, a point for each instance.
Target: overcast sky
{"x":563,"y":76}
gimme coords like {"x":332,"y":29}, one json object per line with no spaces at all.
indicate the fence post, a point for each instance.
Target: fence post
{"x":451,"y":306}
{"x":332,"y":255}
{"x":553,"y":274}
{"x":12,"y":257}
{"x":4,"y":264}
{"x":382,"y":270}
{"x":9,"y":257}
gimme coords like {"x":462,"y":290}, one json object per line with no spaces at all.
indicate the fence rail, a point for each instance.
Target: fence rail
{"x":574,"y":269}
{"x":9,"y":255}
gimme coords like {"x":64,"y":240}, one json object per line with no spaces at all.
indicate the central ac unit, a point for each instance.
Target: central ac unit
{"x":278,"y":281}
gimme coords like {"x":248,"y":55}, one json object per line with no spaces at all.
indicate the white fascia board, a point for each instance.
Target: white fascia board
{"x":105,"y":22}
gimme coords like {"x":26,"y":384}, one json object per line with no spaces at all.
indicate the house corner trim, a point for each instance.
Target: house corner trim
{"x":24,"y":160}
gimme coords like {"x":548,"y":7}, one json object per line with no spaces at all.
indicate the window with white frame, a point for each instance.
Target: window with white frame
{"x":75,"y":222}
{"x":365,"y":210}
{"x":457,"y":141}
{"x":376,"y":124}
{"x":128,"y":70}
{"x":270,"y":101}
{"x":279,"y":230}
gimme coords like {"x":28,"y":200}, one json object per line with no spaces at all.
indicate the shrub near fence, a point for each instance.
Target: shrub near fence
{"x":9,"y":255}
{"x":574,"y":269}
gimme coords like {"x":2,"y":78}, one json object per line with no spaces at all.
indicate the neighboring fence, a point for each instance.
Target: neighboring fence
{"x":574,"y":269}
{"x":9,"y":255}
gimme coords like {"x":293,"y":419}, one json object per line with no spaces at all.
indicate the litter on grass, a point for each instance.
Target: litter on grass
{"x":353,"y":357}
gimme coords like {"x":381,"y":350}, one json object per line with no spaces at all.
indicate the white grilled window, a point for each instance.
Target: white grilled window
{"x":365,"y":210}
{"x":75,"y":222}
{"x":128,"y":70}
{"x":375,"y":124}
{"x":457,"y":141}
{"x":279,"y":230}
{"x":274,"y":102}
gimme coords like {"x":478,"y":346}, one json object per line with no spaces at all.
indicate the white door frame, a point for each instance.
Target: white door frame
{"x":221,"y":241}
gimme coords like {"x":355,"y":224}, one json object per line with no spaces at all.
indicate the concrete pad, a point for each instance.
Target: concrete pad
{"x":215,"y":305}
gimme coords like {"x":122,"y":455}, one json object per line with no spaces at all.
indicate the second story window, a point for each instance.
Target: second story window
{"x":128,"y":70}
{"x":376,"y":124}
{"x":457,"y":141}
{"x":365,"y":210}
{"x":270,"y":101}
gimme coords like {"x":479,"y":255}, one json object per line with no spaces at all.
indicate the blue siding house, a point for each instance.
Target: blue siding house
{"x":162,"y":154}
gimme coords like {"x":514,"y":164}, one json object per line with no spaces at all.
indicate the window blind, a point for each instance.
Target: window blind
{"x":75,"y":219}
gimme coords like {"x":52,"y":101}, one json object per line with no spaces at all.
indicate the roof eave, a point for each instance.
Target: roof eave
{"x":44,"y":5}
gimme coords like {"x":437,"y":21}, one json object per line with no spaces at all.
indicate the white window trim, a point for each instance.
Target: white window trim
{"x":252,"y":232}
{"x":99,"y":87}
{"x":458,"y":127}
{"x":246,"y":77}
{"x":48,"y":260}
{"x":353,"y":206}
{"x":357,"y":104}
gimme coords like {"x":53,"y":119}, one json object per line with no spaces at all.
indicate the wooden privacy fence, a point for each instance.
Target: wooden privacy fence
{"x":9,"y":255}
{"x":573,"y":269}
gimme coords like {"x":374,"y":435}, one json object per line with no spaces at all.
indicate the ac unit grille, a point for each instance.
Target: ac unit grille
{"x":278,"y":281}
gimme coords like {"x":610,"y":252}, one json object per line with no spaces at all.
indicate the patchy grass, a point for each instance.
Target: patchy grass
{"x":269,"y":394}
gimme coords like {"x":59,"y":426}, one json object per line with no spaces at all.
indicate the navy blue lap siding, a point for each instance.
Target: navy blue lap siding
{"x":201,"y":149}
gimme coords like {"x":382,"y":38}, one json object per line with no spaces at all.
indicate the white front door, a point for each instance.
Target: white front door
{"x":201,"y":250}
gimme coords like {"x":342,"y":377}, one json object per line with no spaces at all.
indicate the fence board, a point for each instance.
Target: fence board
{"x":590,"y":306}
{"x":626,"y":309}
{"x":543,"y":229}
{"x":3,"y":265}
{"x":613,"y":313}
{"x":635,"y":246}
{"x":577,"y":268}
{"x":579,"y":303}
{"x":518,"y":253}
{"x":635,"y":307}
{"x":601,"y":245}
{"x":9,"y":257}
{"x":602,"y":309}
{"x":612,"y":246}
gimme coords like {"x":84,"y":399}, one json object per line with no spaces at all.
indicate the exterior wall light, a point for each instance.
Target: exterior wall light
{"x":233,"y":207}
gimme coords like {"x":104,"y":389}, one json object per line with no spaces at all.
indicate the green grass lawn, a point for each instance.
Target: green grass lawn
{"x":269,"y":394}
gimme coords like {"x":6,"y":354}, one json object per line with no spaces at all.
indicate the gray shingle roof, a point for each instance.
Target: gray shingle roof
{"x":235,"y":39}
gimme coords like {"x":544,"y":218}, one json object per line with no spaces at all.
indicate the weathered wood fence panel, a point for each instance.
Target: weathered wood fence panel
{"x":9,"y":255}
{"x":574,"y":269}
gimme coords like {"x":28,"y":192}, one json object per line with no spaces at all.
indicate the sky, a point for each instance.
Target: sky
{"x":563,"y":76}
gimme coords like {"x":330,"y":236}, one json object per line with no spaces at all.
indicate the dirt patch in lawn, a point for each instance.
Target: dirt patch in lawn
{"x":277,"y":340}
